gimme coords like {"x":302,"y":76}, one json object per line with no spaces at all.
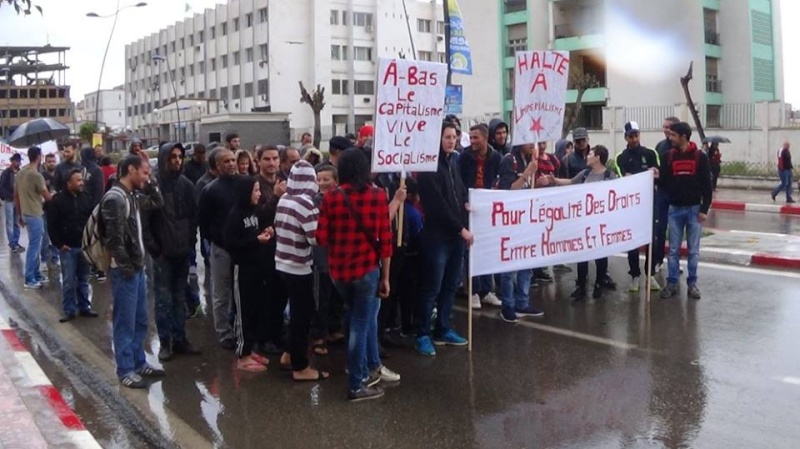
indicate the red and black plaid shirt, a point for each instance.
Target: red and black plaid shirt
{"x":350,"y":255}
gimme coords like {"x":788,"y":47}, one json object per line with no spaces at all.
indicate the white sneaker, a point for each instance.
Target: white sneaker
{"x":476,"y":302}
{"x":634,"y":288}
{"x":658,"y":267}
{"x":654,"y":285}
{"x":388,"y":375}
{"x":492,"y":300}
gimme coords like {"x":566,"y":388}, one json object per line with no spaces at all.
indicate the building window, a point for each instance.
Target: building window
{"x":248,"y":54}
{"x":516,"y":5}
{"x":224,"y":28}
{"x":201,"y":67}
{"x":13,"y":113}
{"x":439,"y":27}
{"x":423,"y":26}
{"x":224,"y":61}
{"x":213,"y":64}
{"x":340,"y":87}
{"x":263,"y":52}
{"x":262,"y":15}
{"x":201,"y":94}
{"x":364,"y":87}
{"x":362,"y":53}
{"x":248,"y":90}
{"x":263,"y":89}
{"x":183,"y":72}
{"x":223,"y":93}
{"x":23,"y":113}
{"x":235,"y":24}
{"x":713,"y":113}
{"x":236,"y":91}
{"x":248,"y":20}
{"x":339,"y":52}
{"x":237,"y":58}
{"x":183,"y":43}
{"x":172,"y":46}
{"x":334,"y":17}
{"x":23,"y":93}
{"x":362,"y":19}
{"x":443,"y":58}
{"x":213,"y":32}
{"x":200,"y":36}
{"x":191,"y":40}
{"x":191,"y":70}
{"x":425,"y":55}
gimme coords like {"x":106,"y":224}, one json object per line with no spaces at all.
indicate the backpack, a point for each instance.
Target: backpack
{"x":92,"y":247}
{"x":585,"y":174}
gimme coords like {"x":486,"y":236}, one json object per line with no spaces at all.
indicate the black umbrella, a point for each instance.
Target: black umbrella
{"x":716,"y":139}
{"x":37,"y":131}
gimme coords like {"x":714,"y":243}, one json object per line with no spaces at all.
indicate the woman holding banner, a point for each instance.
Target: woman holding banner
{"x":443,"y":240}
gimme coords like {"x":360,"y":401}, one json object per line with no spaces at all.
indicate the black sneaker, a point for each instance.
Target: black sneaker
{"x":88,"y":313}
{"x":19,"y":249}
{"x":529,"y":311}
{"x":373,"y":379}
{"x":101,"y":277}
{"x":66,"y":317}
{"x":365,"y":393}
{"x":149,"y":371}
{"x":164,"y":353}
{"x":133,"y":381}
{"x":542,"y":276}
{"x":509,"y":316}
{"x":598,"y":291}
{"x":608,"y":283}
{"x":579,"y":293}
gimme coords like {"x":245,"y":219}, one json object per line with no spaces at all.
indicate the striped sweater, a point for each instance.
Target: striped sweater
{"x":296,"y":221}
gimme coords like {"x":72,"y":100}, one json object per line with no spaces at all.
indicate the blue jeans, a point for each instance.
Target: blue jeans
{"x":439,"y":280}
{"x":74,"y":281}
{"x":786,"y":184}
{"x":515,"y":289}
{"x":362,"y":300}
{"x":660,"y":227}
{"x":35,"y":227}
{"x":12,"y":227}
{"x":49,"y":252}
{"x":482,"y":285}
{"x":170,"y":276}
{"x":128,"y":320}
{"x":680,"y":219}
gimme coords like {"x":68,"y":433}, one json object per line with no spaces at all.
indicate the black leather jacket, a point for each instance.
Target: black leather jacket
{"x":122,"y":224}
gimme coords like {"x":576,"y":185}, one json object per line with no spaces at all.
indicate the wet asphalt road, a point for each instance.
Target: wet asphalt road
{"x":719,"y":373}
{"x":754,"y":222}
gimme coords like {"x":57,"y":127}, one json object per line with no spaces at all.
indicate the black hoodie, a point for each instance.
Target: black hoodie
{"x":93,"y":181}
{"x":172,"y":229}
{"x":493,"y":125}
{"x":216,"y":202}
{"x":443,"y":198}
{"x":242,"y":228}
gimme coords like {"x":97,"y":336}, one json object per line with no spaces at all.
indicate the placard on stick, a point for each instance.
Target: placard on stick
{"x":540,"y":91}
{"x":408,"y":122}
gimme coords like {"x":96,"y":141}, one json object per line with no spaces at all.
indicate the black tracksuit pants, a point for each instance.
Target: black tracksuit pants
{"x":249,"y":286}
{"x":301,"y":312}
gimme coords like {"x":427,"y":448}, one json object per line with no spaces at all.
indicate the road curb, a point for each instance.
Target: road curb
{"x":35,"y":379}
{"x":743,"y":258}
{"x":755,"y":207}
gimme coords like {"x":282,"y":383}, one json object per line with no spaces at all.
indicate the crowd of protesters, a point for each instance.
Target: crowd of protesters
{"x":281,"y":226}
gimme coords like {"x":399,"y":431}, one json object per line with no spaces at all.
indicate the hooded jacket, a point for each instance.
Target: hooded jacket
{"x":93,"y":179}
{"x":493,"y":125}
{"x":468,"y":167}
{"x":67,"y":215}
{"x":561,"y":149}
{"x":573,"y":164}
{"x":686,"y":177}
{"x":171,"y":230}
{"x":296,"y":221}
{"x":216,"y":203}
{"x":242,"y":228}
{"x":443,"y":198}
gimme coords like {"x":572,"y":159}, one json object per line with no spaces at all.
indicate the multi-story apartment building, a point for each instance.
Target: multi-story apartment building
{"x":638,"y":50}
{"x":33,"y":85}
{"x":249,"y":55}
{"x":107,"y":108}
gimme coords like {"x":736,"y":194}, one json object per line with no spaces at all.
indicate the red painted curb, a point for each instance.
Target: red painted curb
{"x":790,"y":210}
{"x":62,"y":409}
{"x":11,"y":337}
{"x":767,"y":260}
{"x":728,"y":205}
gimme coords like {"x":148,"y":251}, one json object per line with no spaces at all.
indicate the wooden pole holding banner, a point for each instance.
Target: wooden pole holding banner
{"x":469,"y":308}
{"x":401,"y":211}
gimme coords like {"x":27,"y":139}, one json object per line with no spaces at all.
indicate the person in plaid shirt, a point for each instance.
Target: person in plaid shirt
{"x":354,"y":226}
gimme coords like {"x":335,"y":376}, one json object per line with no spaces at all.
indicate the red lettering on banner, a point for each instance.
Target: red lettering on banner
{"x":409,"y":97}
{"x":614,"y":237}
{"x":385,"y":158}
{"x":625,"y":201}
{"x":507,"y":218}
{"x":543,"y":60}
{"x":594,"y":206}
{"x":512,"y":253}
{"x":390,"y":75}
{"x":540,"y":80}
{"x":552,"y":248}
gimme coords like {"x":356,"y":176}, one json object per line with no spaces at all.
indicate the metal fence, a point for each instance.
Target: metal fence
{"x":649,"y":118}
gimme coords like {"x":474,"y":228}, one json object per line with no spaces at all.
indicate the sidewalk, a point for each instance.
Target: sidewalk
{"x":33,"y":414}
{"x":757,"y":249}
{"x":753,"y":201}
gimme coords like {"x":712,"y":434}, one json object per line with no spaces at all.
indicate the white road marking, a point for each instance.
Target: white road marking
{"x":83,"y":439}
{"x":4,"y":323}
{"x":36,"y":376}
{"x":739,"y":269}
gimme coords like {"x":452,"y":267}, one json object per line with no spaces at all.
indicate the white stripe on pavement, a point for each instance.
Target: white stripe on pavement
{"x":35,"y":375}
{"x":83,"y":439}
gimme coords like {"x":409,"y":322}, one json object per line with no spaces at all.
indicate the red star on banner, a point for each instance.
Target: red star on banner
{"x":536,"y":125}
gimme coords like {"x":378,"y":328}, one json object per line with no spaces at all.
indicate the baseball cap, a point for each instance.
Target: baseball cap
{"x":631,"y":128}
{"x":580,"y":133}
{"x":339,"y":143}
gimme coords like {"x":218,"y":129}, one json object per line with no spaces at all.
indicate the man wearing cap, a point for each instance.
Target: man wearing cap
{"x":661,"y":200}
{"x":686,"y":176}
{"x":575,"y":162}
{"x":633,"y":160}
{"x":7,"y":195}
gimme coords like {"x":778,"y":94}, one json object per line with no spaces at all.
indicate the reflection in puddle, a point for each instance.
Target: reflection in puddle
{"x":211,"y":408}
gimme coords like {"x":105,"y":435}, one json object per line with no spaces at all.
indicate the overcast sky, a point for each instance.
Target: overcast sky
{"x":65,"y":24}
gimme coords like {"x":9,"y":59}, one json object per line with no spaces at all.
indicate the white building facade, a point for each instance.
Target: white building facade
{"x":250,"y":55}
{"x":106,"y":107}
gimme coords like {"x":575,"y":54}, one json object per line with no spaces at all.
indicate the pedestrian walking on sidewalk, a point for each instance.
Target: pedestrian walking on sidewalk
{"x":785,"y":173}
{"x":29,"y":191}
{"x":66,"y":216}
{"x":686,"y":175}
{"x":122,"y":240}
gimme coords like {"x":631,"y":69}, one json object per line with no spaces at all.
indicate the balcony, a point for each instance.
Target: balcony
{"x":713,"y":84}
{"x":712,"y":37}
{"x":570,"y":38}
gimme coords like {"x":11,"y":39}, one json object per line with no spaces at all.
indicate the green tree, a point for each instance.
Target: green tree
{"x":316,"y":101}
{"x":22,"y":6}
{"x":86,"y":130}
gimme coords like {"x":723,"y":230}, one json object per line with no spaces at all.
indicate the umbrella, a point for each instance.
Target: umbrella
{"x":716,"y":139}
{"x":37,"y":131}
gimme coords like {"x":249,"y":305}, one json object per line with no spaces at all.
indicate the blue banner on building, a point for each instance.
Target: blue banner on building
{"x":460,"y":59}
{"x":453,"y":100}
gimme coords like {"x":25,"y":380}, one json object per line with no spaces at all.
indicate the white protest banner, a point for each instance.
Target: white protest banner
{"x":408,"y":123}
{"x":540,"y":91}
{"x":6,"y":151}
{"x":520,"y":229}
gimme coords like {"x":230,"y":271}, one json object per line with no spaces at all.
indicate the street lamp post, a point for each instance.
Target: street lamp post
{"x":6,"y":117}
{"x":158,"y":58}
{"x":115,"y":14}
